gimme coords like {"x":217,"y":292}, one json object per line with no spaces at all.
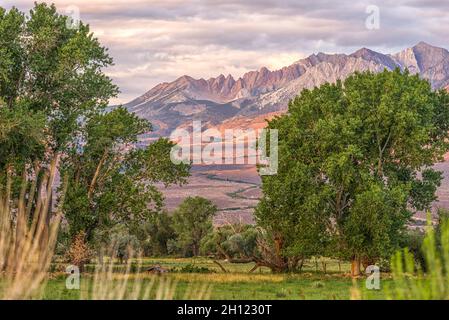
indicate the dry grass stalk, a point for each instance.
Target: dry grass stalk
{"x":135,"y":284}
{"x":27,"y":236}
{"x":127,"y":285}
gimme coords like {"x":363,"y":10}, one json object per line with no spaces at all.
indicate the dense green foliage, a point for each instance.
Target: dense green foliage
{"x":231,"y":242}
{"x":51,"y":77}
{"x":54,"y":98}
{"x":157,"y":236}
{"x":349,"y":161}
{"x":113,"y":182}
{"x":192,"y":222}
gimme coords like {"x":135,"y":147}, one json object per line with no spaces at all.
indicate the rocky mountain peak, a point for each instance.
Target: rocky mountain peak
{"x":429,"y":61}
{"x":428,"y":56}
{"x":263,"y":91}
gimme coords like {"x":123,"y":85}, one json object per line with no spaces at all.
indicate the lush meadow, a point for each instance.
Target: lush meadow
{"x":237,"y":283}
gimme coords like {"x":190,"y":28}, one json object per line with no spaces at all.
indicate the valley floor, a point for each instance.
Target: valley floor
{"x":236,"y":190}
{"x":205,"y":276}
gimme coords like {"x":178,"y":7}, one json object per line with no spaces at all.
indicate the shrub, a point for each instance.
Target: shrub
{"x":191,"y":268}
{"x":124,"y":244}
{"x":79,"y":253}
{"x":413,"y":240}
{"x":231,"y":241}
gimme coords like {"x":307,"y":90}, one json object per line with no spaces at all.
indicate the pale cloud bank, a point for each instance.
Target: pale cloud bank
{"x":158,"y":41}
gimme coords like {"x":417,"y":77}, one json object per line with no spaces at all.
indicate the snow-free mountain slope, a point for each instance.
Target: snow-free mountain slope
{"x":256,"y":93}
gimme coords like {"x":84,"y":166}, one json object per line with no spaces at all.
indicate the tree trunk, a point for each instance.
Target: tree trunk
{"x":278,"y":244}
{"x":221,"y":266}
{"x":254,"y":268}
{"x":32,"y":192}
{"x":301,"y":264}
{"x":101,"y":257}
{"x":196,"y":250}
{"x":97,"y":173}
{"x":355,"y":266}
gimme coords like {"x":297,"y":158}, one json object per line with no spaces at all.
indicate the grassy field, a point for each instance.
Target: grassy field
{"x":237,"y":283}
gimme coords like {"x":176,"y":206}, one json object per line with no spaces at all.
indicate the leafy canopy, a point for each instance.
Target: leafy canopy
{"x":54,"y":98}
{"x":355,"y":162}
{"x":192,"y":221}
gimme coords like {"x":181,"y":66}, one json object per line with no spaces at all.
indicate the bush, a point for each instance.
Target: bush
{"x":191,"y":268}
{"x":412,"y":283}
{"x":413,"y":240}
{"x":231,"y":241}
{"x":124,"y":244}
{"x":79,"y":253}
{"x":156,"y":235}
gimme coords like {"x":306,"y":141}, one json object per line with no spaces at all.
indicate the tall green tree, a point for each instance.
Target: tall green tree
{"x":54,"y":96}
{"x":158,"y":235}
{"x":355,"y":163}
{"x":192,"y":221}
{"x":51,"y":79}
{"x":113,"y":182}
{"x":53,"y":70}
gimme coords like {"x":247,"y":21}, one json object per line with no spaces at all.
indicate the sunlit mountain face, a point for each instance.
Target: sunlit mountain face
{"x":224,"y":100}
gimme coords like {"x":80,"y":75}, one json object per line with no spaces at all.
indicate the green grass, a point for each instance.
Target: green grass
{"x":294,"y":288}
{"x":237,"y":283}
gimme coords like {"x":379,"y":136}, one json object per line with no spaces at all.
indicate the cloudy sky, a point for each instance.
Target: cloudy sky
{"x":153,"y":41}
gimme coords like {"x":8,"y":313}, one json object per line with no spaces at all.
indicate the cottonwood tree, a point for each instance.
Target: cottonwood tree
{"x":238,"y":243}
{"x":110,"y":181}
{"x":50,"y":78}
{"x":157,"y":235}
{"x":355,"y":163}
{"x":49,"y":70}
{"x":233,"y":242}
{"x":292,"y":212}
{"x":192,"y":221}
{"x":54,"y":98}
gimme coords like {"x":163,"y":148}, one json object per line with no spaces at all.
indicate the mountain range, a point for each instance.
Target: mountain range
{"x":248,"y":100}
